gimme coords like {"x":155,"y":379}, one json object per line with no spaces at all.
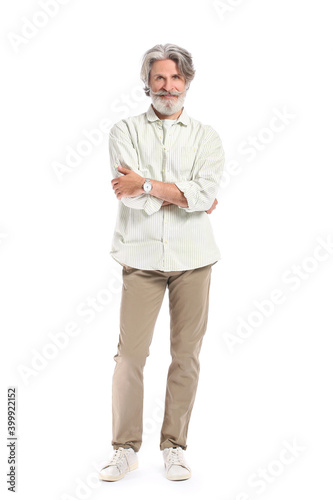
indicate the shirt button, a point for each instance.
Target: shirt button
{"x":166,"y":241}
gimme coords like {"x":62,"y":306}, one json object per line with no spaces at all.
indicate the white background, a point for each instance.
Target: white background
{"x":274,"y":386}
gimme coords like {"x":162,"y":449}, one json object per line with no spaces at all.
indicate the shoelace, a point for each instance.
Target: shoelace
{"x":175,"y":457}
{"x":116,"y":458}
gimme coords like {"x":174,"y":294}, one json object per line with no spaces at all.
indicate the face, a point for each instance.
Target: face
{"x":167,"y":87}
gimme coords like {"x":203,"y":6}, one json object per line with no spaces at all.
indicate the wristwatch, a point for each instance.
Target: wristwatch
{"x":147,"y":186}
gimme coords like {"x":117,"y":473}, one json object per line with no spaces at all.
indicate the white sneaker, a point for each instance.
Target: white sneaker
{"x":124,"y":460}
{"x":176,"y":468}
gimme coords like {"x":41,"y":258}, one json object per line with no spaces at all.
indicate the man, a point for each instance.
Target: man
{"x":166,"y":171}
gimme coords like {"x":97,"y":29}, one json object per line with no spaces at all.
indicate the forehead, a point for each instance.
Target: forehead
{"x":164,"y":66}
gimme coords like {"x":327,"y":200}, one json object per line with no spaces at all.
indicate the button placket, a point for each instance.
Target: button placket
{"x":167,"y":147}
{"x":165,"y":169}
{"x":160,"y":131}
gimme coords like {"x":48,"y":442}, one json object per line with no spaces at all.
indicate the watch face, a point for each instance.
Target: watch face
{"x":147,"y":186}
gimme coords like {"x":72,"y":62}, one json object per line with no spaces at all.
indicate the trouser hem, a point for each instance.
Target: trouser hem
{"x":127,"y":446}
{"x":170,"y":444}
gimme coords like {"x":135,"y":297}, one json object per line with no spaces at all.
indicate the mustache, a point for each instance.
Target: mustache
{"x":161,"y":92}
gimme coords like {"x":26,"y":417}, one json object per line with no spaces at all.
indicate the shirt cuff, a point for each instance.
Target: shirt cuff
{"x":152,"y":204}
{"x":190,"y":191}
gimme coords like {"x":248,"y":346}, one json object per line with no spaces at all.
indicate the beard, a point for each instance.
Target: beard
{"x":168,"y":106}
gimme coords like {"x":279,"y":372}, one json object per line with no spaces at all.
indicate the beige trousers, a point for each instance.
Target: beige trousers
{"x":142,"y":296}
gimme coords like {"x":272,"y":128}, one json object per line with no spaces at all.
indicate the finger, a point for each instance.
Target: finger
{"x":124,"y":170}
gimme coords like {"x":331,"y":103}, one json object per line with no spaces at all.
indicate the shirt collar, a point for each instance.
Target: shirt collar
{"x":152,"y":116}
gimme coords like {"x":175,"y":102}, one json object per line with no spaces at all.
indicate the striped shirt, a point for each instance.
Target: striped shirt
{"x":189,"y":155}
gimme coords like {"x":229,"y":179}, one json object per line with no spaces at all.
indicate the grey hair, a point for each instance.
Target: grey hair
{"x":182,"y":58}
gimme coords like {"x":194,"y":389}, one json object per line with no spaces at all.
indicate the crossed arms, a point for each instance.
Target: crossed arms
{"x":130,"y":186}
{"x":198,"y":194}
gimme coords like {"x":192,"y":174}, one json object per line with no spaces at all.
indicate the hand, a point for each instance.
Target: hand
{"x":165,"y":203}
{"x":212,"y":207}
{"x":128,"y":185}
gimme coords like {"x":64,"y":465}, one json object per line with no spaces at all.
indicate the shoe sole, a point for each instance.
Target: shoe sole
{"x":178,"y":478}
{"x":105,"y":477}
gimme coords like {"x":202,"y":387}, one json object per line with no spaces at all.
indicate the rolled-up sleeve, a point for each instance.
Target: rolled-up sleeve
{"x":201,"y":191}
{"x":123,"y":153}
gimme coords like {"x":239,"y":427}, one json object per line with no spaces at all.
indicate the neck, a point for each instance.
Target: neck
{"x":168,"y":117}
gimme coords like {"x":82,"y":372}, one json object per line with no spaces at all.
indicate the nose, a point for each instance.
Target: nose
{"x":168,"y":85}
